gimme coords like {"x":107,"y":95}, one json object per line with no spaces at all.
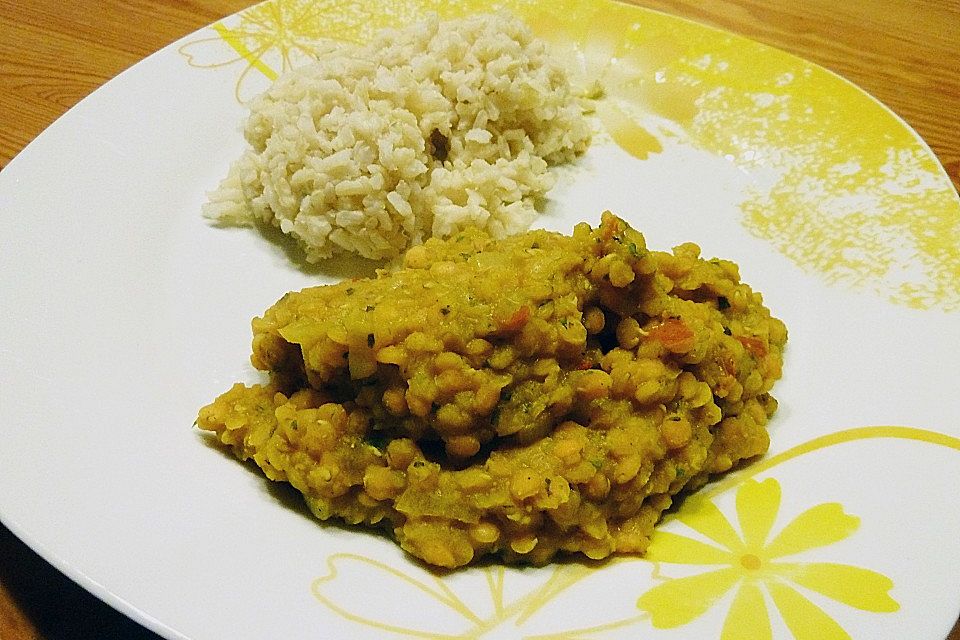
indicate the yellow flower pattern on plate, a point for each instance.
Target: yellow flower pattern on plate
{"x":750,"y":561}
{"x":754,"y":561}
{"x":272,"y":37}
{"x":843,"y":188}
{"x":441,"y":611}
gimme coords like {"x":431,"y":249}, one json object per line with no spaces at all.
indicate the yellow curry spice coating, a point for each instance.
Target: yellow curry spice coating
{"x":522,"y":397}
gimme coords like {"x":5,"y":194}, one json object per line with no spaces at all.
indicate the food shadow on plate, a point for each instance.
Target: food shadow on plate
{"x":346,"y":266}
{"x":284,"y":493}
{"x":287,"y":253}
{"x":340,"y":267}
{"x":288,"y":497}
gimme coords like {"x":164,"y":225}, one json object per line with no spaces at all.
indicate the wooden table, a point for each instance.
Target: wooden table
{"x":55,"y":52}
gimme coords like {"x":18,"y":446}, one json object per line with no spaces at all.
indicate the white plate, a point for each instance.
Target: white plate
{"x":123,"y":312}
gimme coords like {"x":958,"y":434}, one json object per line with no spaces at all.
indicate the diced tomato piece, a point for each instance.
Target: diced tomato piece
{"x":515,"y":320}
{"x":728,"y":364}
{"x":609,"y":227}
{"x":674,"y":335}
{"x":753,"y":345}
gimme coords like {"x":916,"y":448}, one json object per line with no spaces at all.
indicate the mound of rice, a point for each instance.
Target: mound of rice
{"x":419,"y":133}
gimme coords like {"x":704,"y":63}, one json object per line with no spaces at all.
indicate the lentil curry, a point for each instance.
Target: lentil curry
{"x":523,"y":397}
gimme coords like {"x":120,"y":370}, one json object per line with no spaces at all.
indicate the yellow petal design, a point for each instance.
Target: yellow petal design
{"x":853,"y":586}
{"x":870,"y":211}
{"x":541,"y":614}
{"x":805,"y":620}
{"x":704,"y":517}
{"x":560,"y":580}
{"x":816,"y":527}
{"x":442,"y":613}
{"x":625,"y":131}
{"x":604,"y":33}
{"x":596,"y":40}
{"x":677,"y":549}
{"x":299,"y":24}
{"x":677,"y":602}
{"x":757,"y":507}
{"x":209,"y":52}
{"x":748,"y":616}
{"x":252,"y":57}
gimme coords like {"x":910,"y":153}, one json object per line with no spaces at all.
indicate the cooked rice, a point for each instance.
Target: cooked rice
{"x":420,"y":133}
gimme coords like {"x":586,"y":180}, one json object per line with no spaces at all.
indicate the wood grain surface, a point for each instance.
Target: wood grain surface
{"x":55,"y":52}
